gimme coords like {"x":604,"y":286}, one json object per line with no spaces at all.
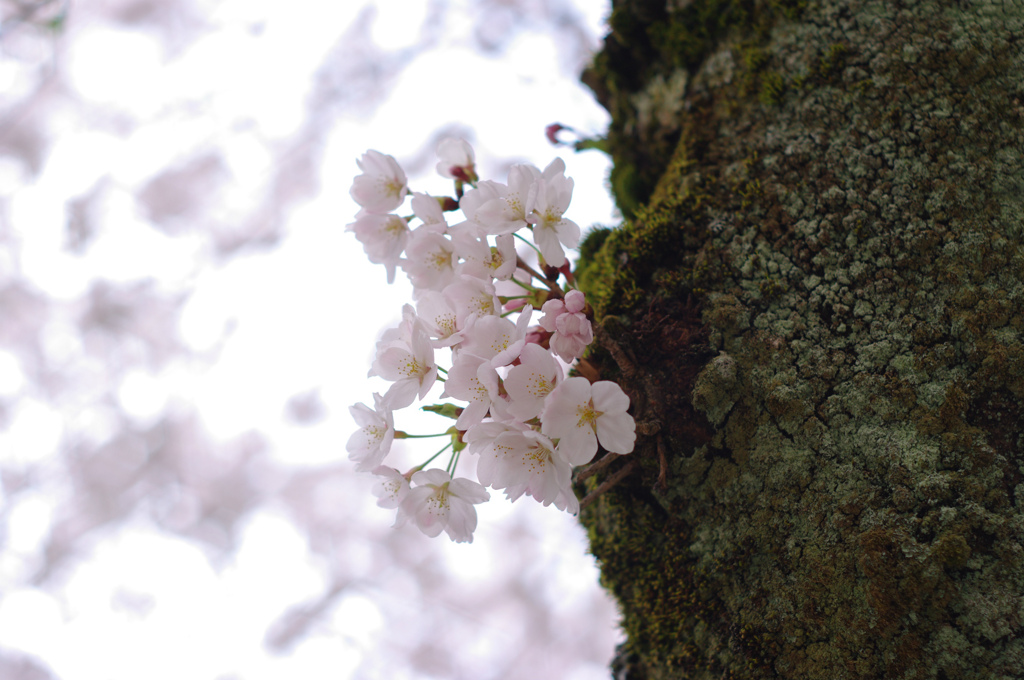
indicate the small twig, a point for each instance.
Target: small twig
{"x":609,"y":483}
{"x":627,"y":367}
{"x":651,"y":399}
{"x":594,"y":468}
{"x":588,"y":370}
{"x":540,"y":277}
{"x":662,"y":465}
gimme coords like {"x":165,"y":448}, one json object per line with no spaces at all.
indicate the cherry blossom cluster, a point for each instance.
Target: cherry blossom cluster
{"x":514,"y":405}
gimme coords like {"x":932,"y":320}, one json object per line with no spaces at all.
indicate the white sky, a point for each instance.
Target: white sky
{"x":131,"y":609}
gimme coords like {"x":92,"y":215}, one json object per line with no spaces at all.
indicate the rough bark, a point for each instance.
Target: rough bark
{"x":817,"y":306}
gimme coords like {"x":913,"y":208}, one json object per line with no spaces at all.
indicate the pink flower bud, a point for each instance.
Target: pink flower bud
{"x":456,"y":160}
{"x":537,"y":336}
{"x":551,"y":132}
{"x":571,"y":328}
{"x":514,"y":305}
{"x":575,"y":301}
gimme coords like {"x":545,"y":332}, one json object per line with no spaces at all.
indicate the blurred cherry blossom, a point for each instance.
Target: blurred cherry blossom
{"x":184,"y":324}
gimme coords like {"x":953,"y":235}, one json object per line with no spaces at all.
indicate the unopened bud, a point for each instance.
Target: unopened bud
{"x":447,"y":410}
{"x":551,"y":132}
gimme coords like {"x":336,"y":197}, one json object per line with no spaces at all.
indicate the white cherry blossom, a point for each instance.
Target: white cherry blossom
{"x":405,"y":357}
{"x":384,"y":238}
{"x":429,"y":260}
{"x":439,"y":503}
{"x":371,"y":442}
{"x":483,"y":260}
{"x":480,"y":437}
{"x":527,"y":462}
{"x":507,"y":214}
{"x":438,"y":314}
{"x":497,"y":340}
{"x":382,"y":186}
{"x":472,"y":296}
{"x":551,"y":231}
{"x":475,"y":199}
{"x":428,"y":210}
{"x":579,"y":415}
{"x":474,"y":380}
{"x":391,"y":488}
{"x":529,"y":383}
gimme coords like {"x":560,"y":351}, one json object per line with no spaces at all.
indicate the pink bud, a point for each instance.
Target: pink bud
{"x":575,"y":301}
{"x":538,"y":336}
{"x":460,"y":173}
{"x":514,"y":305}
{"x":551,"y":132}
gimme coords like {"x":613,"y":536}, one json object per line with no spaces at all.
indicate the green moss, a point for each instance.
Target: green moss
{"x":771,"y":287}
{"x":654,"y":252}
{"x":773,"y":85}
{"x":822,"y":297}
{"x":672,"y":590}
{"x":952,"y":551}
{"x":629,"y":187}
{"x":650,"y":40}
{"x":831,"y":63}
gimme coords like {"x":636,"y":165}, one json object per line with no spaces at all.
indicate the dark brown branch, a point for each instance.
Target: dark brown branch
{"x":594,"y":468}
{"x":609,"y":483}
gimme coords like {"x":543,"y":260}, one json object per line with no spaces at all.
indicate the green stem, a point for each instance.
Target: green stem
{"x":453,"y":463}
{"x":405,"y":435}
{"x":523,"y":239}
{"x":428,"y":461}
{"x":540,"y":277}
{"x":522,"y":285}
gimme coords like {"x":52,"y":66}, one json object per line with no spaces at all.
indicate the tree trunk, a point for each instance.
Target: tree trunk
{"x":817,"y":306}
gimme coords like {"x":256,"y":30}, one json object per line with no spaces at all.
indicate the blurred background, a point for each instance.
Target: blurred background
{"x":184,"y":324}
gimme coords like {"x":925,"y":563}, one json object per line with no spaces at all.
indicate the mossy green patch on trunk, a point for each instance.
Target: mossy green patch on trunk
{"x":641,"y":76}
{"x":820,"y":291}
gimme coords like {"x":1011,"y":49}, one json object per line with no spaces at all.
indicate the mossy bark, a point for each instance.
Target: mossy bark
{"x":817,"y":306}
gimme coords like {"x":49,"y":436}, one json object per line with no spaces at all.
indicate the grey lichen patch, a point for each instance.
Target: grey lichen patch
{"x":719,"y":69}
{"x":857,"y":252}
{"x":660,"y":105}
{"x":715,"y":390}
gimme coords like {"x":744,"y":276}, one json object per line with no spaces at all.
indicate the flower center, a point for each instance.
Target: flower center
{"x":501,"y":343}
{"x":439,"y":501}
{"x":392,"y":487}
{"x":480,"y":390}
{"x":396,"y":226}
{"x":485,"y":305}
{"x":540,"y":386}
{"x":537,"y":459}
{"x":587,"y":415}
{"x":374,"y":432}
{"x":412,"y":367}
{"x":496,"y":259}
{"x":446,"y":324}
{"x":441,"y":260}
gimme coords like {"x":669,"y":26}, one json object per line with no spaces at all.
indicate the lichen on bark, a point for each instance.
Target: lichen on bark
{"x":820,"y":292}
